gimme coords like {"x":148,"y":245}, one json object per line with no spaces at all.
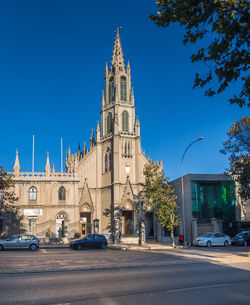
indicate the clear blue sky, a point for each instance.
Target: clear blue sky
{"x":52,"y":61}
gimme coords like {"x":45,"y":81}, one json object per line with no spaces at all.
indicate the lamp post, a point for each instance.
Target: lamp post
{"x":182,"y":188}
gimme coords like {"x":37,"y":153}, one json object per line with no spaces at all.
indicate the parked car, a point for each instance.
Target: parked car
{"x":241,"y":239}
{"x":20,"y":242}
{"x":212,"y":239}
{"x":90,"y":241}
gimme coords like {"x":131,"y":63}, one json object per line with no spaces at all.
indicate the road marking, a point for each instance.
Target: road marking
{"x":198,"y":287}
{"x":44,"y":251}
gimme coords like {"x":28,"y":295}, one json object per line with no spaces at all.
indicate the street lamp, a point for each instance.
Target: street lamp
{"x":182,"y":188}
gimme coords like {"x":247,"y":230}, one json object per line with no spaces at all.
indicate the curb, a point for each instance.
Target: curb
{"x":54,"y":247}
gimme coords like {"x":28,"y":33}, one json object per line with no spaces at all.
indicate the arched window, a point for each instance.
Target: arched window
{"x":125,"y":121}
{"x":1,"y":194}
{"x":110,"y":161}
{"x":111,"y":89}
{"x":32,"y":193}
{"x":106,"y":162}
{"x":109,"y":123}
{"x":123,"y":82}
{"x":62,"y":193}
{"x":62,"y":215}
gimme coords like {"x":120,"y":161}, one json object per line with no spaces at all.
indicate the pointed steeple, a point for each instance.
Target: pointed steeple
{"x":132,"y":98}
{"x":84,"y":148}
{"x":53,"y":168}
{"x":106,"y":69}
{"x":161,"y":164}
{"x":128,"y":67}
{"x":76,"y":167}
{"x":92,"y":138}
{"x":79,"y":148}
{"x":97,"y":132}
{"x":69,"y":151}
{"x":17,"y":165}
{"x":137,"y":127}
{"x":117,"y":58}
{"x":47,"y":167}
{"x":103,"y":99}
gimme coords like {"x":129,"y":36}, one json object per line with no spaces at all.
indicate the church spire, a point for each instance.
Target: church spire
{"x":117,"y":58}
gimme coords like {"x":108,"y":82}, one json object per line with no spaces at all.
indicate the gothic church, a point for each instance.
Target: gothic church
{"x":96,"y":193}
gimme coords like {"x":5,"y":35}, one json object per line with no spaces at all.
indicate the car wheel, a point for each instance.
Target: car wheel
{"x":1,"y":247}
{"x":103,"y":246}
{"x":245,"y":243}
{"x":209,"y":244}
{"x":33,"y":247}
{"x":226,"y":244}
{"x":78,"y":247}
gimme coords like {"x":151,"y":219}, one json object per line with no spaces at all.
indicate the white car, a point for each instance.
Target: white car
{"x":212,"y":239}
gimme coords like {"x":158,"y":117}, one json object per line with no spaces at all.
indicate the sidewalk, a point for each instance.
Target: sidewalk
{"x":215,"y":255}
{"x":144,"y":246}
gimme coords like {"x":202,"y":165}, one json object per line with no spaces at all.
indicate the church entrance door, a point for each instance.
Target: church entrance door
{"x":61,"y":229}
{"x":85,"y":223}
{"x":127,"y":223}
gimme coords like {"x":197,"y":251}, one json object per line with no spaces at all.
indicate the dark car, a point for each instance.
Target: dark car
{"x":241,"y":239}
{"x":20,"y":242}
{"x":90,"y":241}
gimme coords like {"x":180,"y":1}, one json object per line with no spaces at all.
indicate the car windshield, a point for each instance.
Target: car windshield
{"x":207,"y":235}
{"x":241,"y":234}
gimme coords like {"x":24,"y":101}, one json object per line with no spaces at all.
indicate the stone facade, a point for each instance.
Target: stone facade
{"x":96,"y":193}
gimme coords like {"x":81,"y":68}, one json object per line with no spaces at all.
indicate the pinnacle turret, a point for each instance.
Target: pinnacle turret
{"x":47,"y":167}
{"x":17,"y":165}
{"x":117,"y":58}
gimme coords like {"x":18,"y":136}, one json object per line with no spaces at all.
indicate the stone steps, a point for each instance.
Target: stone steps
{"x":129,"y":240}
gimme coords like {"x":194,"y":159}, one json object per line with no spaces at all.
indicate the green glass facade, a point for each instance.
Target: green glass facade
{"x":213,"y":199}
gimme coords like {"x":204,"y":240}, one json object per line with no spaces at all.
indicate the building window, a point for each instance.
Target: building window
{"x":111,"y":89}
{"x":123,"y":82}
{"x":213,"y":199}
{"x":109,"y":123}
{"x":108,"y":160}
{"x":62,"y":193}
{"x":32,"y":193}
{"x":1,"y":195}
{"x":125,"y":121}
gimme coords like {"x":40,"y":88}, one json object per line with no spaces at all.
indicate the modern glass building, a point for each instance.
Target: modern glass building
{"x":213,"y":199}
{"x":209,"y":204}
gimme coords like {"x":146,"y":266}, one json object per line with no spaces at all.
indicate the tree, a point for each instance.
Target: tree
{"x":8,"y":209}
{"x":238,"y":148}
{"x":7,"y":195}
{"x":161,"y":197}
{"x":225,"y":25}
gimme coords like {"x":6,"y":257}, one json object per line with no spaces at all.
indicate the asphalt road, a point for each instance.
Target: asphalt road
{"x":119,"y":277}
